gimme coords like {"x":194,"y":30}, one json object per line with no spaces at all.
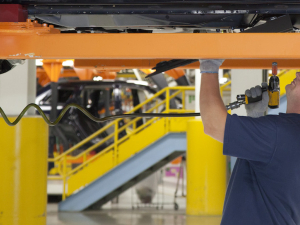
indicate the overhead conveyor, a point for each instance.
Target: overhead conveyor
{"x":29,"y":40}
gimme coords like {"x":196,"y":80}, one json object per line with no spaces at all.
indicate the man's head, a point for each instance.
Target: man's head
{"x":293,"y":95}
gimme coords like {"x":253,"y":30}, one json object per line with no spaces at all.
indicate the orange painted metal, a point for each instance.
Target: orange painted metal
{"x":44,"y":79}
{"x":53,"y":68}
{"x":110,"y":75}
{"x":68,"y":73}
{"x":146,"y":71}
{"x":118,"y":64}
{"x":85,"y":74}
{"x":175,"y":73}
{"x":88,"y":74}
{"x":154,"y":46}
{"x":42,"y":76}
{"x":26,"y":28}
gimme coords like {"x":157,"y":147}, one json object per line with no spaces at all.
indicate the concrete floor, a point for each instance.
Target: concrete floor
{"x":122,"y":213}
{"x":149,"y":216}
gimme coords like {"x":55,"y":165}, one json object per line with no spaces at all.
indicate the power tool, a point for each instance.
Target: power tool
{"x":273,"y":90}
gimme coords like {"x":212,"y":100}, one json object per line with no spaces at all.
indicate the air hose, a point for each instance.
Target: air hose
{"x":99,"y":120}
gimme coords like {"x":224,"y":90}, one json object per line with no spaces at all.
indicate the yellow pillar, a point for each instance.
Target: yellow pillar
{"x":206,"y":172}
{"x":23,"y":172}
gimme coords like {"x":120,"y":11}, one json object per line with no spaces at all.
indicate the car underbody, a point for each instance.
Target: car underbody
{"x":153,"y":16}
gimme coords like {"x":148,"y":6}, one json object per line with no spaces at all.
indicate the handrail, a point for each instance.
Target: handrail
{"x":222,"y":87}
{"x":61,"y":160}
{"x":110,"y":124}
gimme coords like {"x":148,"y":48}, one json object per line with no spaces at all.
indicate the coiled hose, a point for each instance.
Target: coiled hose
{"x":95,"y":119}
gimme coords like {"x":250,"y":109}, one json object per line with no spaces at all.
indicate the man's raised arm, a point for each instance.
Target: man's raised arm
{"x":212,"y":108}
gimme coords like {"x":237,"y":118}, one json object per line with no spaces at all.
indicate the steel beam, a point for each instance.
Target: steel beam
{"x":119,"y":64}
{"x":149,"y":46}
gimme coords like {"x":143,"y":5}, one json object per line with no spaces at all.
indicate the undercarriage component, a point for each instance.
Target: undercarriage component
{"x":168,"y":65}
{"x":171,"y":16}
{"x":111,"y":23}
{"x":170,"y":8}
{"x":282,"y":24}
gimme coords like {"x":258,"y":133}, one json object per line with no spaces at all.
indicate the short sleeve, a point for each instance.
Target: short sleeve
{"x":250,"y":138}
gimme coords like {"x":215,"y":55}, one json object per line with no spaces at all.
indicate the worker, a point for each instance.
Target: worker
{"x":264,"y":188}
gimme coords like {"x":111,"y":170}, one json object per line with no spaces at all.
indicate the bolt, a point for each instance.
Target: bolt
{"x":35,"y":21}
{"x":45,"y":25}
{"x":28,"y":20}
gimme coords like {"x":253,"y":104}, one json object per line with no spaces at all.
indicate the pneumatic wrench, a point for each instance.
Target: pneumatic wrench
{"x":273,"y":90}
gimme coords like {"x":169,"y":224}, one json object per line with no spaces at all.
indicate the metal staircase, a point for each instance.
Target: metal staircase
{"x":100,"y":177}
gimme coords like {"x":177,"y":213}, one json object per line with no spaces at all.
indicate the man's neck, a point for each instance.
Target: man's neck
{"x":293,"y":109}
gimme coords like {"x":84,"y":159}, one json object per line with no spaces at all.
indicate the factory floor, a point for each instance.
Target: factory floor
{"x":120,"y":212}
{"x":146,"y":216}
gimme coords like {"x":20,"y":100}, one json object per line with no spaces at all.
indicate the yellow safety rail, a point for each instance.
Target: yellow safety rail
{"x":110,"y":155}
{"x":225,"y":88}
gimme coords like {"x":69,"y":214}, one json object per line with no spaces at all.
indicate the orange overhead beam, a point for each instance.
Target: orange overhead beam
{"x":15,"y":45}
{"x":119,"y":64}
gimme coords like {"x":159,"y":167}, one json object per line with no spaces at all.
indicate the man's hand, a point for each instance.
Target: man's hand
{"x":257,"y":109}
{"x":210,"y":65}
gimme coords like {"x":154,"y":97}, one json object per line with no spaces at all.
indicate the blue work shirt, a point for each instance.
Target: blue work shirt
{"x":264,"y":188}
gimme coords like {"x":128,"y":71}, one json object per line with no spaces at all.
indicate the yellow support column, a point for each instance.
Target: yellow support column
{"x":23,"y":172}
{"x":206,"y":172}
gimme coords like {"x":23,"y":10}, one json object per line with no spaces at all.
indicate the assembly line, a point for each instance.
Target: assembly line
{"x":149,"y":112}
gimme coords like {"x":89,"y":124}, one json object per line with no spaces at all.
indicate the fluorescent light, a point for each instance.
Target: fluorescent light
{"x":69,"y":63}
{"x":38,"y":62}
{"x":97,"y":78}
{"x":223,"y":80}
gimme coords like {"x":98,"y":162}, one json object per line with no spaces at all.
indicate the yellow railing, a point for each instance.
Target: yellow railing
{"x":62,"y":160}
{"x":224,"y":87}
